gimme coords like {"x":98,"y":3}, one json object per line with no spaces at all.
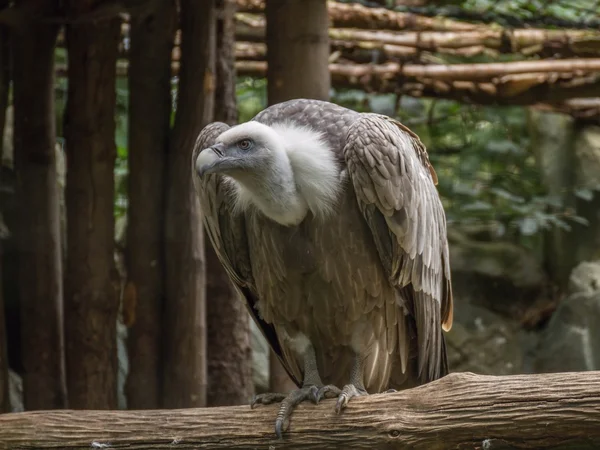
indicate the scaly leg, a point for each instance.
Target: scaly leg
{"x":356,"y":387}
{"x":309,"y":390}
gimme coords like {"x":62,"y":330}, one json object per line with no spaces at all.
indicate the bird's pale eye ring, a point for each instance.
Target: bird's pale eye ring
{"x":245,"y":144}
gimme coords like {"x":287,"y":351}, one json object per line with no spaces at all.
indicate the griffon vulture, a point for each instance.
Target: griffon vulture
{"x":329,"y":224}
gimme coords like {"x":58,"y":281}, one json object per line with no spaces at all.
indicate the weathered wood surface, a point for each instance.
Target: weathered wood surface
{"x":459,"y":411}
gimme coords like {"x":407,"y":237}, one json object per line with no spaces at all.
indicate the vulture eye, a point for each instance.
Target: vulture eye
{"x":244,"y":144}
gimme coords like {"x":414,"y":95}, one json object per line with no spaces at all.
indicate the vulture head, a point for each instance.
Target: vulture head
{"x":283,"y":170}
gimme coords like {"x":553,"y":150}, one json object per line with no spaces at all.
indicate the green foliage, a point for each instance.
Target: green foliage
{"x":574,"y":10}
{"x":251,"y":96}
{"x":121,"y":166}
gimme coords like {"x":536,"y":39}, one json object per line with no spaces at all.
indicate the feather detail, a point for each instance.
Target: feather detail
{"x":393,"y":178}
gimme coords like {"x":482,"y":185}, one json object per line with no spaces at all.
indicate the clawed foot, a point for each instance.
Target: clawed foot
{"x":288,"y":403}
{"x":343,"y":395}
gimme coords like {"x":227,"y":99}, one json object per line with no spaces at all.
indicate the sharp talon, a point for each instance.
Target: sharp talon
{"x":390,"y":391}
{"x":328,"y":391}
{"x":341,"y":402}
{"x":314,"y":392}
{"x":288,"y":403}
{"x":278,"y":428}
{"x":266,"y":399}
{"x":346,"y":394}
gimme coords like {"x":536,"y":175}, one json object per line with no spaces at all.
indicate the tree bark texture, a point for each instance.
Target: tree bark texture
{"x":38,"y":233}
{"x":91,"y":300}
{"x":4,"y":87}
{"x":459,"y":411}
{"x":149,"y":125}
{"x":297,"y":55}
{"x":229,"y":354}
{"x":185,"y":315}
{"x":298,"y":50}
{"x":225,"y":100}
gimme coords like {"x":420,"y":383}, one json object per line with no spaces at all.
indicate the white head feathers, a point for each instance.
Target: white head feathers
{"x":299,"y":173}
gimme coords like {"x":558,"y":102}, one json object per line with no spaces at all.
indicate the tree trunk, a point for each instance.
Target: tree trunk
{"x":552,"y":142}
{"x":225,"y":101}
{"x":297,"y":43}
{"x":149,"y":119}
{"x":38,"y":232}
{"x":459,"y":411}
{"x":185,"y":315}
{"x":91,"y":301}
{"x":229,"y":354}
{"x":4,"y":86}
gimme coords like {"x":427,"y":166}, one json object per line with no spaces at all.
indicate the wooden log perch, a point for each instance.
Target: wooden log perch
{"x":459,"y":411}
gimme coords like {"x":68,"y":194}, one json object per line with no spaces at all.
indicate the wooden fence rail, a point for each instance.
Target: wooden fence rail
{"x":459,"y":411}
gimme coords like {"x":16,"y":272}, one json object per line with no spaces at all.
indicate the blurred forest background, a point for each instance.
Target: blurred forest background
{"x":111,"y":298}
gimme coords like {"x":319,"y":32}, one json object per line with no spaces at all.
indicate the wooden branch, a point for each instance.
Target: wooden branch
{"x":485,"y":71}
{"x":473,"y":83}
{"x":461,"y":410}
{"x":527,"y":42}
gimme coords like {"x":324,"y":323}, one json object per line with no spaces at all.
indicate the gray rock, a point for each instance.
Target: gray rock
{"x":585,"y":278}
{"x":501,"y":260}
{"x":483,"y":342}
{"x":587,"y":155}
{"x":499,"y":276}
{"x":571,"y":342}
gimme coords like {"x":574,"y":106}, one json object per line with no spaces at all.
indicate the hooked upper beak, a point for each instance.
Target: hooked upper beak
{"x":208,"y":159}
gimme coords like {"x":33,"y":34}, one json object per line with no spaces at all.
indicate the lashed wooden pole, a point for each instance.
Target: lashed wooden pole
{"x":527,"y":42}
{"x":459,"y":411}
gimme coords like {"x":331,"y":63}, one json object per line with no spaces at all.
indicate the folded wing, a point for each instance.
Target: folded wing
{"x":395,"y":189}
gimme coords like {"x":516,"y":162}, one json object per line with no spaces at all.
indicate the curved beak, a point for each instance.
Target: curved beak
{"x":209,"y":159}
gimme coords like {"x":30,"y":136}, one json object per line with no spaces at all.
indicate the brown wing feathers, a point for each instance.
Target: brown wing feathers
{"x":395,"y":184}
